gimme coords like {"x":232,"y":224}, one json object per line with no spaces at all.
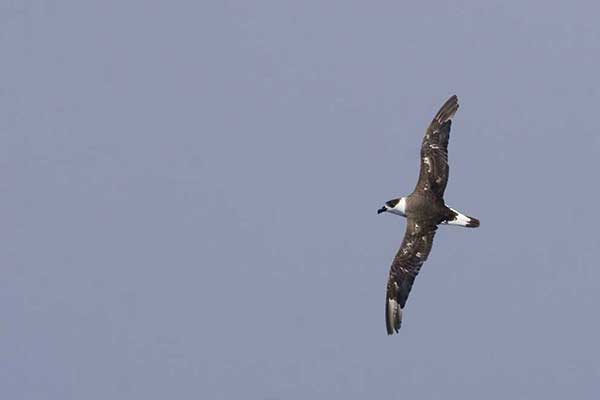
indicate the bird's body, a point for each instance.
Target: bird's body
{"x":424,"y":209}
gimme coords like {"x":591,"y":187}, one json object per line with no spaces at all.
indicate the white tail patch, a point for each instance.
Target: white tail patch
{"x":462,"y":220}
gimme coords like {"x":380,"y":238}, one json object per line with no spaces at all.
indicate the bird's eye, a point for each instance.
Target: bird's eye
{"x":392,"y":203}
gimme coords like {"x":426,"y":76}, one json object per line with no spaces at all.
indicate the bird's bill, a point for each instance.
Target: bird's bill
{"x":382,"y":209}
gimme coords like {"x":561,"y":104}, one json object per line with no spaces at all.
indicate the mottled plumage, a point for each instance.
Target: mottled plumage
{"x":425,"y":210}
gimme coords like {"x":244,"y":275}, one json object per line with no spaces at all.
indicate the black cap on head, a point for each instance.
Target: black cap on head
{"x":392,"y":203}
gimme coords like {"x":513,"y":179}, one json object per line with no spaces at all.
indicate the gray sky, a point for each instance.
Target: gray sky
{"x":188,"y":197}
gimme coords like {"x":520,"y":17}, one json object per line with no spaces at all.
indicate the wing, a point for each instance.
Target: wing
{"x":433,"y":176}
{"x":413,"y":252}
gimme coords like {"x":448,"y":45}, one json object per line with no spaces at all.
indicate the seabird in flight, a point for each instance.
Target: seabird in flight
{"x":424,"y":209}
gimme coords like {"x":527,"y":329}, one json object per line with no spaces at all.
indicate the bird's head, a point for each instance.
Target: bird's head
{"x":395,"y":206}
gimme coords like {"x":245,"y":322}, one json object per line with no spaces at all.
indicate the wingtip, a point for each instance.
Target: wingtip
{"x":393,"y":316}
{"x":448,"y":110}
{"x":452,"y":100}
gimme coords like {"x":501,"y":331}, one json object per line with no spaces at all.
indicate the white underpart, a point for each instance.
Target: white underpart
{"x":460,"y":219}
{"x":400,"y":208}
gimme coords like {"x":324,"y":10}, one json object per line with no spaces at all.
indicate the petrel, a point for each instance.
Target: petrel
{"x":424,"y":209}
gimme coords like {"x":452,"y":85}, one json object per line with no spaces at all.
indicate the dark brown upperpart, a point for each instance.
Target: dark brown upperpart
{"x":426,"y":207}
{"x":434,"y":171}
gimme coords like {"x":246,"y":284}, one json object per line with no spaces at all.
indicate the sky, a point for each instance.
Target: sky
{"x":188,"y":196}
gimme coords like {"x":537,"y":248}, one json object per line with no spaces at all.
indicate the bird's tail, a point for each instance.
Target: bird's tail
{"x":457,"y":218}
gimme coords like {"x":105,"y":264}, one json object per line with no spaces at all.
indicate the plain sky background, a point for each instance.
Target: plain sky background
{"x":188,"y":196}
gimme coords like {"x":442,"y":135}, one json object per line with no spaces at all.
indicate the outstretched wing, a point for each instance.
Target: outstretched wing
{"x":413,"y":252}
{"x":433,"y":176}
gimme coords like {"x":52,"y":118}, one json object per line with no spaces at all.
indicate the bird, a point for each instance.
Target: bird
{"x":424,"y":210}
